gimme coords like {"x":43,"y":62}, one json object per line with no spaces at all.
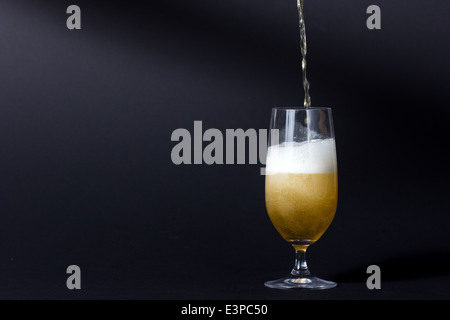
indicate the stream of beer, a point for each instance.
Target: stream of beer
{"x":307,"y":102}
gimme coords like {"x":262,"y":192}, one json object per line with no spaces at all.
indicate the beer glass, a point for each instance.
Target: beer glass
{"x":301,"y":185}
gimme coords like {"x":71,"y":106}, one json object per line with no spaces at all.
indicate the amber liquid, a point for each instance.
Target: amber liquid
{"x":303,"y":47}
{"x":301,"y":206}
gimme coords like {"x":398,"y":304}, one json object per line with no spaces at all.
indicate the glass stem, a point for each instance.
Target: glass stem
{"x":300,"y":267}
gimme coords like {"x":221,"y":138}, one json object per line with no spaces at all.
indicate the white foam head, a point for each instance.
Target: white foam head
{"x":316,"y":156}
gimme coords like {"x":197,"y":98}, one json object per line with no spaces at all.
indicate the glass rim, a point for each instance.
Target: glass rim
{"x":301,"y":108}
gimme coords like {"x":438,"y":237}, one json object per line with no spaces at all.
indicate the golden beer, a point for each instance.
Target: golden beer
{"x":302,"y":189}
{"x":301,"y":206}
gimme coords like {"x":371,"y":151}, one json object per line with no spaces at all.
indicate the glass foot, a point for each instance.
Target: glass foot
{"x":307,"y":282}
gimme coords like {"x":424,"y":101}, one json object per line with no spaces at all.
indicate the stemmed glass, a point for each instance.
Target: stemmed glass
{"x":301,"y":185}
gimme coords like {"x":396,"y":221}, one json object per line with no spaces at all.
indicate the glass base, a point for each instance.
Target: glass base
{"x":305,"y":282}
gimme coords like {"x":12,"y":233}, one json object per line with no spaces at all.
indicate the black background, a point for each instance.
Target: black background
{"x":86,"y":118}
